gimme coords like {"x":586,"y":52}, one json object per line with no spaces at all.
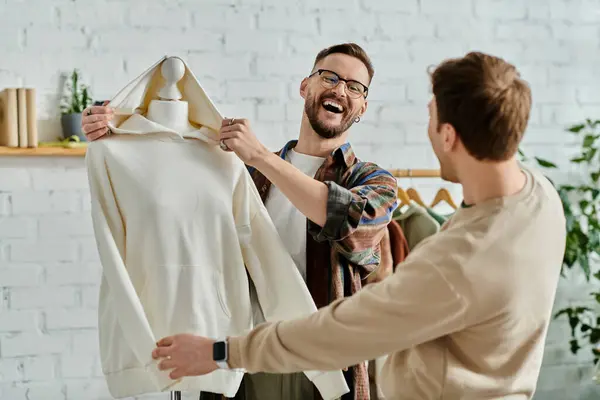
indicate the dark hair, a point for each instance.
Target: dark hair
{"x":351,"y":49}
{"x":484,"y":98}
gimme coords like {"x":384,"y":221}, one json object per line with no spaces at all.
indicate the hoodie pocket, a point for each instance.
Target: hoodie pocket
{"x":187,"y":298}
{"x":220,"y":288}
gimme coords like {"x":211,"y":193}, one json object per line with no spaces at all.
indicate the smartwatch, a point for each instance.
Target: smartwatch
{"x":220,"y":353}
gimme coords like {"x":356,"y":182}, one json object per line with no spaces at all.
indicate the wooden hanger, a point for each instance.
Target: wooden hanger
{"x":403,"y":197}
{"x":443,"y":195}
{"x":413,"y":195}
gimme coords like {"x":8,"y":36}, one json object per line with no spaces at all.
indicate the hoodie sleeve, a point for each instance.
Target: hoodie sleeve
{"x":109,"y":231}
{"x":282,"y":294}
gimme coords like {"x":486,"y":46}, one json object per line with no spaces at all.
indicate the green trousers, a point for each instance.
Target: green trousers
{"x":261,"y":386}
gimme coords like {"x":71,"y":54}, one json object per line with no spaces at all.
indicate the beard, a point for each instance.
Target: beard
{"x":326,"y":130}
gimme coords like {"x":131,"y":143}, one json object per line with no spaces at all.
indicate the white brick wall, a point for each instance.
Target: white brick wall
{"x":251,"y":56}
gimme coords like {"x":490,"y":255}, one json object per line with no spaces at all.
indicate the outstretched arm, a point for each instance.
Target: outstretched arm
{"x":353,"y":217}
{"x":389,"y":316}
{"x":308,"y":195}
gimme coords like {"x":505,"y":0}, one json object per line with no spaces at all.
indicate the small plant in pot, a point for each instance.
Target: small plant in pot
{"x":75,"y":99}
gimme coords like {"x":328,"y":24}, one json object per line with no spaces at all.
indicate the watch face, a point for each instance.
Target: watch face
{"x":219,"y":351}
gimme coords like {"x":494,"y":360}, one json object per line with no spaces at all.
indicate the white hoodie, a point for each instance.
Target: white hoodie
{"x":180,"y":227}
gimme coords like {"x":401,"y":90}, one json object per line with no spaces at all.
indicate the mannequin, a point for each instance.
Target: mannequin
{"x":181,"y":231}
{"x":170,"y":111}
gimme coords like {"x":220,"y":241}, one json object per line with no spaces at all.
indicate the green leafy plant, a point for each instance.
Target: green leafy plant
{"x":77,"y":96}
{"x":581,"y":204}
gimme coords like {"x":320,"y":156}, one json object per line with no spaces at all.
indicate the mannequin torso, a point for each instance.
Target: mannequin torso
{"x":170,"y":111}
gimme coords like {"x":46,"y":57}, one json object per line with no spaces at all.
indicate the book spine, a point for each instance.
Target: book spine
{"x":22,"y":116}
{"x":9,"y":129}
{"x":32,"y":131}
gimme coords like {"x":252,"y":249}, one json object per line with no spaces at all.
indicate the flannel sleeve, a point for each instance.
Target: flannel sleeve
{"x":358,"y":213}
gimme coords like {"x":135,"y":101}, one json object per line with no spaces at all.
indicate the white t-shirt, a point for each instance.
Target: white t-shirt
{"x":289,"y":221}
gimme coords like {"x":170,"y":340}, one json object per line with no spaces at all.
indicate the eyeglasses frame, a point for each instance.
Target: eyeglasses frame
{"x":340,"y":79}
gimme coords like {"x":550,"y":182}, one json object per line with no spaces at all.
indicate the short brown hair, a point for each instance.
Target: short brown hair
{"x":351,"y":49}
{"x":484,"y":98}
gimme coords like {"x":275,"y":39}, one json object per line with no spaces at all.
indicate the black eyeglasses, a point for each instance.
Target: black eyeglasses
{"x":330,"y":79}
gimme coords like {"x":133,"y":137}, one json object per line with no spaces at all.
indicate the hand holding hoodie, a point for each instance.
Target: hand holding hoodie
{"x":180,"y":228}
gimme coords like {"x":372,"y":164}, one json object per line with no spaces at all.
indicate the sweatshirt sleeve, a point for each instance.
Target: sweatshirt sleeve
{"x":109,"y":231}
{"x":282,"y":294}
{"x":382,"y":318}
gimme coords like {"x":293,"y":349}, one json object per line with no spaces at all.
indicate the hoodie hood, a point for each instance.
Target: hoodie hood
{"x":131,"y":106}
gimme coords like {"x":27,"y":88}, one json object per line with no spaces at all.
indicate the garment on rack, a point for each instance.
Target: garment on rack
{"x":416,"y":223}
{"x":441,"y":219}
{"x":398,"y":243}
{"x":179,"y":227}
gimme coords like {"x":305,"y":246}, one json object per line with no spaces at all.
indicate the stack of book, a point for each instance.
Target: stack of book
{"x":18,"y":118}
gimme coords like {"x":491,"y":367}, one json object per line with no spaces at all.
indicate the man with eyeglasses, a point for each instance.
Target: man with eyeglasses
{"x":330,"y":209}
{"x":331,"y":225}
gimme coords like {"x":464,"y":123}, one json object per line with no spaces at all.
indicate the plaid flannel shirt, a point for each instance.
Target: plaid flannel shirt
{"x":341,"y":254}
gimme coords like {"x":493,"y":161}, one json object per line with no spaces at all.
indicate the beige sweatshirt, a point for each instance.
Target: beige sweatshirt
{"x":464,"y":317}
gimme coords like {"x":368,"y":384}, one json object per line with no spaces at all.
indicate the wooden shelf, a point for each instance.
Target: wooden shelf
{"x":80,"y":152}
{"x":43,"y":151}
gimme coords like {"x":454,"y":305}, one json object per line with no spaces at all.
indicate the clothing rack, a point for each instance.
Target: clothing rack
{"x":415,"y":173}
{"x":405,"y":197}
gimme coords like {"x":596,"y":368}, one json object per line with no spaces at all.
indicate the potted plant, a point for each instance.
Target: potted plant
{"x":582,"y":209}
{"x":581,"y":203}
{"x":75,"y":99}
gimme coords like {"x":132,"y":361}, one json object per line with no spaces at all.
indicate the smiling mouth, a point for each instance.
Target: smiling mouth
{"x":333,"y":107}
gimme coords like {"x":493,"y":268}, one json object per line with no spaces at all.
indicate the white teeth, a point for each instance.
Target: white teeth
{"x":336,"y":105}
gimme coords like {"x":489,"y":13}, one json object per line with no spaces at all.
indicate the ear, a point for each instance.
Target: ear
{"x":363,"y":109}
{"x":449,"y":137}
{"x":303,"y":86}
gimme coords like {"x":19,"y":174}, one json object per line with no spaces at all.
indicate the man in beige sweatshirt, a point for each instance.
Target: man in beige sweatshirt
{"x":465,"y":316}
